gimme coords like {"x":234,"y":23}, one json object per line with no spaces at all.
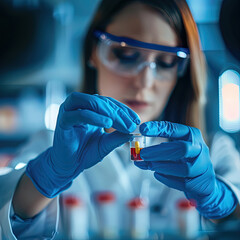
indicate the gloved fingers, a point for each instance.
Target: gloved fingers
{"x":78,"y":100}
{"x":170,"y":181}
{"x":126,"y":109}
{"x":142,"y":165}
{"x":110,"y":141}
{"x":121,"y":120}
{"x":78,"y":117}
{"x":179,"y":169}
{"x":172,"y":151}
{"x":166,"y":129}
{"x":120,"y":116}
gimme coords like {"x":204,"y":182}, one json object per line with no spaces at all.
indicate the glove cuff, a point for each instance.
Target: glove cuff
{"x":221,"y":203}
{"x":44,"y":177}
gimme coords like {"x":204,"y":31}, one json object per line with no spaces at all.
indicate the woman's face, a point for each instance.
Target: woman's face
{"x":143,"y":93}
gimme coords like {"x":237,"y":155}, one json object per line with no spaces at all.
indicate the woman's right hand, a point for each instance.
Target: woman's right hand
{"x":80,"y":141}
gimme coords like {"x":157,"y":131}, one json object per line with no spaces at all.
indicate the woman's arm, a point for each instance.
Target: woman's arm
{"x":27,"y":200}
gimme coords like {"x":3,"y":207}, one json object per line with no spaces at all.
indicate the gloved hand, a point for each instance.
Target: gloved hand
{"x":80,"y":140}
{"x":184,"y":163}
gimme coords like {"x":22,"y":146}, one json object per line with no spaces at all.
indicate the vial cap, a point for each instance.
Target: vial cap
{"x":136,"y":131}
{"x":136,"y":203}
{"x":185,"y":204}
{"x":72,"y":201}
{"x":105,"y":197}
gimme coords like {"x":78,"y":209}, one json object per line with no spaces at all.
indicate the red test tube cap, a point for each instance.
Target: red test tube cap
{"x":105,"y":197}
{"x":185,"y":204}
{"x":136,"y":203}
{"x":72,"y":201}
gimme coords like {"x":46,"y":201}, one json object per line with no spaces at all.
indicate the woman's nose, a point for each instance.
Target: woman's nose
{"x":145,"y":78}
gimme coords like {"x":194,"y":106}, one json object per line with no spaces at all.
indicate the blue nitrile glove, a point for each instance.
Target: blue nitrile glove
{"x":80,"y":140}
{"x":184,"y":163}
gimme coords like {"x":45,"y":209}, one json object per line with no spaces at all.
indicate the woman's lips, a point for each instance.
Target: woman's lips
{"x":138,"y":105}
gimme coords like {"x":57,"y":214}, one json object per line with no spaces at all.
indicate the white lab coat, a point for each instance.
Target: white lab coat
{"x":115,"y":173}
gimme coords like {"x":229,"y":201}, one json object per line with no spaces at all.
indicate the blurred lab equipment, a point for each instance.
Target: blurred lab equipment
{"x":188,"y":219}
{"x":139,"y":213}
{"x":108,"y":215}
{"x":75,"y":218}
{"x":229,"y":80}
{"x":27,"y":38}
{"x":229,"y":20}
{"x":65,"y":62}
{"x":55,"y":94}
{"x":8,"y":119}
{"x":229,"y":100}
{"x":26,"y":43}
{"x":25,"y":3}
{"x":139,"y":218}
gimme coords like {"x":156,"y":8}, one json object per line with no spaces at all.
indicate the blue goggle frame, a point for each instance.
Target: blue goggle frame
{"x":180,"y":51}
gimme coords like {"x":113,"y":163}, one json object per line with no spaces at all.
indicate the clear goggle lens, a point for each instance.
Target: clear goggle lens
{"x":127,"y":60}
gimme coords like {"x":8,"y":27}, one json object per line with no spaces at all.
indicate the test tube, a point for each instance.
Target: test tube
{"x":187,"y":219}
{"x":139,"y":218}
{"x":137,"y":144}
{"x":75,"y":218}
{"x":107,"y":215}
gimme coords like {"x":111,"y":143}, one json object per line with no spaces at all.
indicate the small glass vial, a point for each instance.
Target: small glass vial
{"x":137,"y":144}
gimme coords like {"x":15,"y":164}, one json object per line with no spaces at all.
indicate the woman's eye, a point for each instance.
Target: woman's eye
{"x":126,"y":55}
{"x":166,"y":62}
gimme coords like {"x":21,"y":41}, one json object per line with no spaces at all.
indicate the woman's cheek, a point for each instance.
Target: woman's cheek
{"x":111,"y":84}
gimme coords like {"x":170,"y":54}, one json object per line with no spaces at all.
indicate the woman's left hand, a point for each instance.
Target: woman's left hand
{"x":184,"y":163}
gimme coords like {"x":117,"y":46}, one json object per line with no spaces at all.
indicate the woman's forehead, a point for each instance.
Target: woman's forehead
{"x":142,"y":23}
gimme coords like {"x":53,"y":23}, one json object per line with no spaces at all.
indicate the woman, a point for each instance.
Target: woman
{"x":142,"y":61}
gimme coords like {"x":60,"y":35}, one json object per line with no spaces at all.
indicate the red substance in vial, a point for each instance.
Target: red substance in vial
{"x":134,"y":155}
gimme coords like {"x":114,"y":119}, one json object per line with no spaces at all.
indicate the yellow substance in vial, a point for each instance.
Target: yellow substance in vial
{"x":137,"y":147}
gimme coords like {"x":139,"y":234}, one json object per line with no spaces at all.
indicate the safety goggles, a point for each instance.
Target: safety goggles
{"x":127,"y":57}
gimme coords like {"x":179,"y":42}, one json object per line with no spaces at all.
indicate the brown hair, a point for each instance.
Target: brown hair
{"x":186,"y":101}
